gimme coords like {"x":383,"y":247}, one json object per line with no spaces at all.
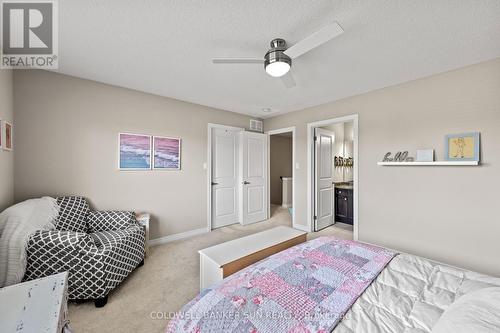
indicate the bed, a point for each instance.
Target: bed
{"x":410,"y":295}
{"x":333,"y":285}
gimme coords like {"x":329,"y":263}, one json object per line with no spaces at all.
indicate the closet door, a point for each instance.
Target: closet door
{"x":254,"y":202}
{"x":225,"y":180}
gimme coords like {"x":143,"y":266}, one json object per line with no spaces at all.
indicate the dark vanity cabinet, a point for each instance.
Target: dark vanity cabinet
{"x":344,"y":205}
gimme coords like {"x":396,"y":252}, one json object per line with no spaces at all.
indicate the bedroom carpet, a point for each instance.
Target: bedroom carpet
{"x":168,"y":280}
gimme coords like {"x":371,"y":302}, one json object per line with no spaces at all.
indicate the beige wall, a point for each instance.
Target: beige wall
{"x":6,"y":157}
{"x":66,"y":143}
{"x":281,"y":164}
{"x":344,"y":146}
{"x":338,"y":149}
{"x":445,"y":213}
{"x":348,"y":149}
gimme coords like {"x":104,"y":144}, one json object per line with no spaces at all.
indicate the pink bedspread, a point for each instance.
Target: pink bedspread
{"x":307,"y":288}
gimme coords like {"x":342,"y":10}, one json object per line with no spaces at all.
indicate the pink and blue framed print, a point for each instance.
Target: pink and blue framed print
{"x":135,"y":151}
{"x":7,"y":136}
{"x":166,"y":153}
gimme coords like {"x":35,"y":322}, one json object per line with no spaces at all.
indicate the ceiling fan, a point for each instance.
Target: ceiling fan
{"x":278,"y":60}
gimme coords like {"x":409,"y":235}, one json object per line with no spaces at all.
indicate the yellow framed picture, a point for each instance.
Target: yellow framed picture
{"x":462,"y":147}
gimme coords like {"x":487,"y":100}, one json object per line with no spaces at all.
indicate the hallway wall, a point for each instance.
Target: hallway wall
{"x":281,"y":164}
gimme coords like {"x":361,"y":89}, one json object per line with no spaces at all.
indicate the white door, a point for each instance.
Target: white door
{"x":324,"y":192}
{"x":225,"y":178}
{"x":253,"y":202}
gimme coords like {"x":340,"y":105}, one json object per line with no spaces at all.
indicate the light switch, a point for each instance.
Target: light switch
{"x":297,"y":166}
{"x":205,"y":166}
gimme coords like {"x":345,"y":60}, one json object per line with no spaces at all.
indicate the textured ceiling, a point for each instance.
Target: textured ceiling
{"x":165,"y":47}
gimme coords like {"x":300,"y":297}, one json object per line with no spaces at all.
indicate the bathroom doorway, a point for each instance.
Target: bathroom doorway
{"x":333,"y":181}
{"x":281,"y":174}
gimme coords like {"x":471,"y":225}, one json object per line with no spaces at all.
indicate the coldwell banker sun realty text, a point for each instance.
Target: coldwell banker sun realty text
{"x":29,"y":34}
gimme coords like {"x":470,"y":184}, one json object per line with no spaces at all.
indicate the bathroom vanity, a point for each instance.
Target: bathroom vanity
{"x":344,"y":203}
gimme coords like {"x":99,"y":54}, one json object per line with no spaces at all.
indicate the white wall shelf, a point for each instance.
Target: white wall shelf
{"x":435,"y":163}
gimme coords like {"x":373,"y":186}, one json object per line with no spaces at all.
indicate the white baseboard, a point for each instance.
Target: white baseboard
{"x":301,"y":227}
{"x":174,"y":237}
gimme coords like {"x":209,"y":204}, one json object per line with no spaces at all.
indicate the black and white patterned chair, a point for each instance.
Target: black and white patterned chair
{"x":99,"y":249}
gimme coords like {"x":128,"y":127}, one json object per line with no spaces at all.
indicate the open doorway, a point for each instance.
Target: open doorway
{"x":281,"y":174}
{"x":333,"y":181}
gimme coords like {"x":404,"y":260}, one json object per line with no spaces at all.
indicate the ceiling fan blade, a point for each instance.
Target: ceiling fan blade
{"x":316,"y":39}
{"x":237,"y":61}
{"x":288,"y":80}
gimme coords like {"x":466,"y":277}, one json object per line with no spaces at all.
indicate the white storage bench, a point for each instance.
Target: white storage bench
{"x":222,"y":260}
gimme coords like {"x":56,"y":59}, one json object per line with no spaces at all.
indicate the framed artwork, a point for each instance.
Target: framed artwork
{"x":134,"y":151}
{"x":166,"y":153}
{"x":462,"y":147}
{"x":425,"y":155}
{"x":8,"y":136}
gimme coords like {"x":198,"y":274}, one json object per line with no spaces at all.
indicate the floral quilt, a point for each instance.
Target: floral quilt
{"x":306,"y":288}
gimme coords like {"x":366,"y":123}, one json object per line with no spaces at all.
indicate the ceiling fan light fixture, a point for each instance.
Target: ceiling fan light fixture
{"x":278,"y":59}
{"x":276,"y":62}
{"x":277,"y":68}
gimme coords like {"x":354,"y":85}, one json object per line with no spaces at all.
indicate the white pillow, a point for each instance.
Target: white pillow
{"x":477,"y":312}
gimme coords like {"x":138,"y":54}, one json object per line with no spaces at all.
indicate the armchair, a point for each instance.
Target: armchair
{"x":98,"y":249}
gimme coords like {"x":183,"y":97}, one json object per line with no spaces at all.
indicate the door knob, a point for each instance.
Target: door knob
{"x":214,"y":183}
{"x":246,"y":183}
